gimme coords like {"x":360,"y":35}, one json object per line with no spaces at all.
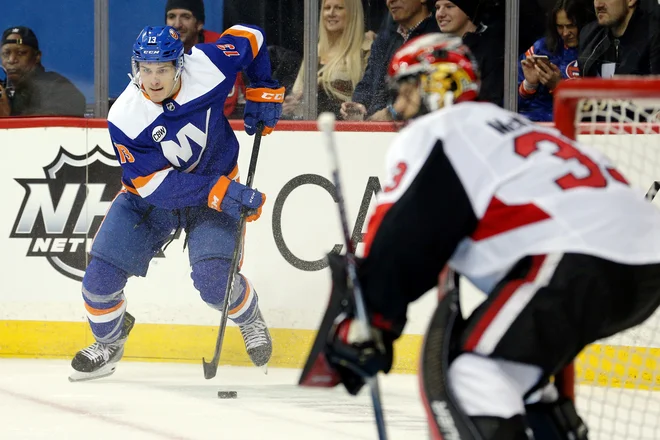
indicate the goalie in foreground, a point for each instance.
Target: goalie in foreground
{"x":567,"y":252}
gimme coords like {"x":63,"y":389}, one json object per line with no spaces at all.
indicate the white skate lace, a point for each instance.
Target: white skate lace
{"x":96,"y":352}
{"x":254,"y":334}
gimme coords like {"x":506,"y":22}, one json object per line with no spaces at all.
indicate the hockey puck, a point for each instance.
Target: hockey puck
{"x":227,"y":394}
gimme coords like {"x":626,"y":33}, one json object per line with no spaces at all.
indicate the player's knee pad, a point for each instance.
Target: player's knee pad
{"x":102,"y":279}
{"x":556,"y":420}
{"x":210,"y":279}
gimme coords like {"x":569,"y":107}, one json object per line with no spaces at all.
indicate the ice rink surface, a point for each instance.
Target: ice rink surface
{"x":154,"y":401}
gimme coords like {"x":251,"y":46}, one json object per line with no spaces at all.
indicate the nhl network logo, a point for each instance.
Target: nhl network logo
{"x":62,"y":212}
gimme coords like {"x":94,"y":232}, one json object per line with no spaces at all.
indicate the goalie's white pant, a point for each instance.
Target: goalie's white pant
{"x":484,"y":386}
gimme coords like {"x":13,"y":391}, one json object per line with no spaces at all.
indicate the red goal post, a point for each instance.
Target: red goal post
{"x":616,"y":382}
{"x":570,"y":93}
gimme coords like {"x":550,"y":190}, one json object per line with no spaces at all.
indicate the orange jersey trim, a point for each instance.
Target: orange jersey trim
{"x":524,"y":92}
{"x":245,"y":34}
{"x":139,"y":182}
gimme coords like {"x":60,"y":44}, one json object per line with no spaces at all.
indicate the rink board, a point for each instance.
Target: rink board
{"x":50,"y":213}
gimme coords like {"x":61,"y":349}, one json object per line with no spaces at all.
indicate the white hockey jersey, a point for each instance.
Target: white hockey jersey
{"x":479,"y":187}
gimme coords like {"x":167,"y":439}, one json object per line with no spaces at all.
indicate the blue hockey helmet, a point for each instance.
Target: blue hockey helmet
{"x":157,"y":44}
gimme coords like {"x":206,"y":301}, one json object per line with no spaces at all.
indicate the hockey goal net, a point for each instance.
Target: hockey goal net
{"x":616,"y":382}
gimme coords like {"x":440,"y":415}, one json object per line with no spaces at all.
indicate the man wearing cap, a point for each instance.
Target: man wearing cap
{"x":35,"y":91}
{"x":460,"y":18}
{"x":188,"y":17}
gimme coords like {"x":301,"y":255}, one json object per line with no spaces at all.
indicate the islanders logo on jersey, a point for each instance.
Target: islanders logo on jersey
{"x":572,"y":70}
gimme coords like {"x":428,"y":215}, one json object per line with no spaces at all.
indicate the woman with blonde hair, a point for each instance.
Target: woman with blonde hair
{"x":343,"y":51}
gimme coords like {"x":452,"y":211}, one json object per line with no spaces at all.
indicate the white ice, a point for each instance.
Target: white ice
{"x":153,"y":401}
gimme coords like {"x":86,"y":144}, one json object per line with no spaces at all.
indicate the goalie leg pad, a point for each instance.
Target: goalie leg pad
{"x":493,"y":387}
{"x":557,"y":420}
{"x":445,"y":417}
{"x":103,"y":292}
{"x":210,"y":278}
{"x":497,"y":428}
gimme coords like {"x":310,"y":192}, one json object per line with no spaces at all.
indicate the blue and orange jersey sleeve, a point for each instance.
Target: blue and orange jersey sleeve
{"x":538,"y":48}
{"x":147,"y":173}
{"x":243,"y":48}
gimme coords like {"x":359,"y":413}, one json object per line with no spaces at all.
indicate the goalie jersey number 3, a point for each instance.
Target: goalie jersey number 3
{"x":527,"y":144}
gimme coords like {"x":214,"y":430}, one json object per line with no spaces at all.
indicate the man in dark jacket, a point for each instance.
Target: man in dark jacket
{"x":410,"y":18}
{"x":459,"y":18}
{"x":34,"y":91}
{"x":625,"y":40}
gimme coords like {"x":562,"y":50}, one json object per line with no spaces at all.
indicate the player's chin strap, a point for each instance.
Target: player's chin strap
{"x":555,"y":420}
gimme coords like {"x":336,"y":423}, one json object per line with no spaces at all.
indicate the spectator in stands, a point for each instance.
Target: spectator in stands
{"x":624,"y":40}
{"x":35,"y":91}
{"x":343,"y":51}
{"x":551,"y":59}
{"x":286,"y":65}
{"x":458,"y":17}
{"x":188,"y":17}
{"x":409,"y":19}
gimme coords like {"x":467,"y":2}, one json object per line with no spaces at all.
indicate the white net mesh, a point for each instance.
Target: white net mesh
{"x":618,"y":379}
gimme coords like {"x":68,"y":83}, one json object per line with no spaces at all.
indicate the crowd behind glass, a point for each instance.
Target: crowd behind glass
{"x":581,"y":38}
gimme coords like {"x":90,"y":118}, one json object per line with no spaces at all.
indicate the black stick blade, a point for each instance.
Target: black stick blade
{"x":210,"y":369}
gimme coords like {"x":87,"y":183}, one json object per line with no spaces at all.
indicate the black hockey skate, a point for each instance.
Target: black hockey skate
{"x":257,"y":340}
{"x":99,"y":360}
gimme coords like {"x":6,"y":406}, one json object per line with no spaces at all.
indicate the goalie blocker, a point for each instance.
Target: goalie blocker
{"x":567,"y":252}
{"x":564,"y":298}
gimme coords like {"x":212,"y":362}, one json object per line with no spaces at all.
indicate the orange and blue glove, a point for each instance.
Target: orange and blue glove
{"x":262,"y":104}
{"x":232,"y":197}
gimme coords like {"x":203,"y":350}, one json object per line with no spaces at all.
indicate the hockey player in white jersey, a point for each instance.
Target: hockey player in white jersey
{"x":179,"y":155}
{"x":567,"y":252}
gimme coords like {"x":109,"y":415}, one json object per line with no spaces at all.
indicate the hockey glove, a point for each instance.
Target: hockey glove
{"x":232,"y":197}
{"x":339,"y":354}
{"x":355,"y":358}
{"x":262,"y":104}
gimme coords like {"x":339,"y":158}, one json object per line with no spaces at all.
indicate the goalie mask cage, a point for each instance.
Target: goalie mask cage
{"x":616,"y":381}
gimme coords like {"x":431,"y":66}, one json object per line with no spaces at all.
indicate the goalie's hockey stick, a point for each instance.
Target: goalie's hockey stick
{"x":326,"y":124}
{"x":653,"y":191}
{"x":211,"y":368}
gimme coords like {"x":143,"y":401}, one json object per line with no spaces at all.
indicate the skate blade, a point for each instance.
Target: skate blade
{"x":79,"y":376}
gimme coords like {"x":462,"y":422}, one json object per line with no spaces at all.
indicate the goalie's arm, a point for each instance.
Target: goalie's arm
{"x":410,"y":239}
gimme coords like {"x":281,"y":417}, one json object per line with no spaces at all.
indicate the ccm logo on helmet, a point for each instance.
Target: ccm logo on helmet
{"x":267,"y":96}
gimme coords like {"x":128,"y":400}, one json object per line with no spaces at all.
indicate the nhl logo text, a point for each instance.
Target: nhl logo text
{"x":62,"y":212}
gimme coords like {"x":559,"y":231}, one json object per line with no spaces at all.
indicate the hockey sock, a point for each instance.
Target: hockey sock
{"x":244,"y":303}
{"x":103,"y":292}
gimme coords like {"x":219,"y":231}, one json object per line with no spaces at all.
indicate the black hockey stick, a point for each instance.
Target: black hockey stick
{"x":326,"y":122}
{"x":211,"y":368}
